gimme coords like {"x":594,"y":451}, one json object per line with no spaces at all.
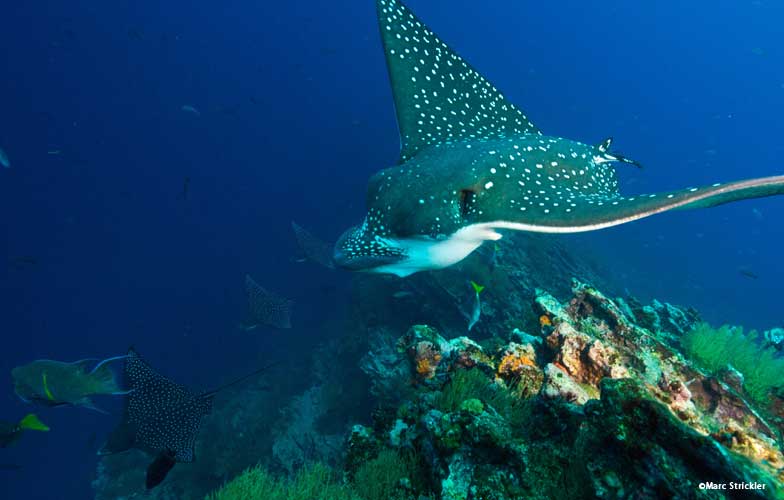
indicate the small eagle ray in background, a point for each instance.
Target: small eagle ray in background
{"x":471,"y":162}
{"x":313,"y":249}
{"x":266,"y":308}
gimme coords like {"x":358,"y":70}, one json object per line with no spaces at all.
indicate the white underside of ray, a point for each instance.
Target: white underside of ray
{"x":426,"y":254}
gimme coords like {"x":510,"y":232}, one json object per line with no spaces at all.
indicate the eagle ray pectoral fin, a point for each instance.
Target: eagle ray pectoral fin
{"x":590,"y":213}
{"x":451,"y":84}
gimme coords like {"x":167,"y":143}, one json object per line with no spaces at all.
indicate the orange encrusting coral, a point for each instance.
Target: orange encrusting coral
{"x":426,"y":367}
{"x":514,"y":362}
{"x":427,"y":359}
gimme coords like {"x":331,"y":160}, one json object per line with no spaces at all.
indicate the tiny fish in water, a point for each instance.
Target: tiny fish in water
{"x":135,"y":34}
{"x":186,"y":184}
{"x":190,"y":109}
{"x":4,"y":161}
{"x":10,"y":432}
{"x":402,"y":294}
{"x":475,"y":306}
{"x":22,"y":261}
{"x":495,"y":253}
{"x":748,"y":273}
{"x":55,"y":383}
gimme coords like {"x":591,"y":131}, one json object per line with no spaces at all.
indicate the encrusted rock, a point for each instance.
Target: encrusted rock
{"x":586,"y":359}
{"x":520,"y":337}
{"x":650,"y":452}
{"x":558,"y":383}
{"x":518,"y":368}
{"x":663,"y":317}
{"x":733,"y":378}
{"x":423,"y":345}
{"x":456,"y":485}
{"x":389,"y":378}
{"x":467,"y":353}
{"x":361,"y":446}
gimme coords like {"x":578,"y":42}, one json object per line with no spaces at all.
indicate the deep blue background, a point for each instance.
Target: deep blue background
{"x":296,"y":113}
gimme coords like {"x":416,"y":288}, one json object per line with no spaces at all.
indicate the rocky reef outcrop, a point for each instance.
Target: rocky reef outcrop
{"x":590,"y":405}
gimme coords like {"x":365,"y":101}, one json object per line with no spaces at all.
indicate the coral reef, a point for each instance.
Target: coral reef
{"x":560,"y":392}
{"x":600,"y":408}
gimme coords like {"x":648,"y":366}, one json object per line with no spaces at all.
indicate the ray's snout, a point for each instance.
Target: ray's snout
{"x":346,"y":249}
{"x":359,"y":249}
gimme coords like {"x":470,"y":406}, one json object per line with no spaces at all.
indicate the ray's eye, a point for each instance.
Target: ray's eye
{"x":466,"y":200}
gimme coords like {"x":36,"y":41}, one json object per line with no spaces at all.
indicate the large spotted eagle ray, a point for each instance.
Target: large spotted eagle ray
{"x":472,"y":162}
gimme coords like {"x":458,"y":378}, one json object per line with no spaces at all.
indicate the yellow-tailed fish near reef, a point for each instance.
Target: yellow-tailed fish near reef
{"x":11,"y":432}
{"x":56,"y":383}
{"x":476,"y":305}
{"x":472,"y":163}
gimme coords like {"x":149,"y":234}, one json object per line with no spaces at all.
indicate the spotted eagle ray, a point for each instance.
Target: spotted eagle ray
{"x":161,"y":417}
{"x":471,"y":162}
{"x":313,"y":249}
{"x":265,"y":308}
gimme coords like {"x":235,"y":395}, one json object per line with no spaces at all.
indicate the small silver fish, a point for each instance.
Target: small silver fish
{"x":476,"y":312}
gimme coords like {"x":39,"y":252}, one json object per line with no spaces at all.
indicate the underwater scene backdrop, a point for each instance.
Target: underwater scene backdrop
{"x":174,"y":177}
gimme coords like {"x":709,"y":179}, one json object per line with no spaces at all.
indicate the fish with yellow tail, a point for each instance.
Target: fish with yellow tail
{"x":11,"y":432}
{"x":474,"y":309}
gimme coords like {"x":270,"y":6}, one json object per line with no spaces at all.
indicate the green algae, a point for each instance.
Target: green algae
{"x":715,"y":349}
{"x":473,"y":406}
{"x":471,"y":384}
{"x":315,"y":481}
{"x":389,"y":476}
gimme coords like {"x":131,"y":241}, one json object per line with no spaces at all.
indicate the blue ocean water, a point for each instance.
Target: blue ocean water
{"x":129,"y":221}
